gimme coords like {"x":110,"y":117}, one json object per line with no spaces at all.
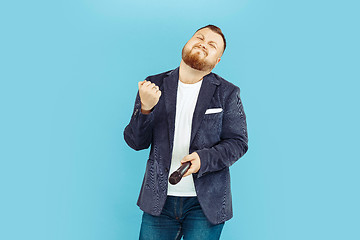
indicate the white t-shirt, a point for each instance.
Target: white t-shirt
{"x":186,"y":99}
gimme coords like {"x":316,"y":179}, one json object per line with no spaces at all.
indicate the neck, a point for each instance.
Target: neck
{"x":189,"y":75}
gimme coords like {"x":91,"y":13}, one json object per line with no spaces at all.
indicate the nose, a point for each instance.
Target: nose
{"x":202,"y":45}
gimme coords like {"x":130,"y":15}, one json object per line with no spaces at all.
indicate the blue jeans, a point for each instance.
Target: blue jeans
{"x":181,"y":216}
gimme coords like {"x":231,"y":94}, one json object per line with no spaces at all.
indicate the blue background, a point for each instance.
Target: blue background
{"x":69,"y":73}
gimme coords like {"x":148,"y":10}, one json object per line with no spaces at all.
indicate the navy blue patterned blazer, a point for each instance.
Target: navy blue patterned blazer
{"x":220,"y":139}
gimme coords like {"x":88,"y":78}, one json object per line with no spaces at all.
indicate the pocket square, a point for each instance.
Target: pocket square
{"x":213,"y":110}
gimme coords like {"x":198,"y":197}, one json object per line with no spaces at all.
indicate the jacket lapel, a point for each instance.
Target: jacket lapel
{"x":170,"y":93}
{"x":207,"y":90}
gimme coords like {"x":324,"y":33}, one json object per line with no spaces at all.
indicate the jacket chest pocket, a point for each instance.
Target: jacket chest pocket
{"x":213,"y":121}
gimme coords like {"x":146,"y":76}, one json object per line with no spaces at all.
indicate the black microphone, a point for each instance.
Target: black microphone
{"x":176,"y":176}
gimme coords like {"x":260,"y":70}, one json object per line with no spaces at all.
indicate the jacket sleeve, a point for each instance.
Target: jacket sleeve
{"x":234,"y":138}
{"x":138,"y":133}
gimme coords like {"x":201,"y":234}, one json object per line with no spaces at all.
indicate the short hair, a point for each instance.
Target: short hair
{"x":216,"y":30}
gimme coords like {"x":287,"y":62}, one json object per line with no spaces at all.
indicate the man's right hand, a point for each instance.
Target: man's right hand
{"x":149,"y":95}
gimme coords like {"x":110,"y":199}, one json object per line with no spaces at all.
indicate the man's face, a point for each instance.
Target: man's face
{"x":203,"y":51}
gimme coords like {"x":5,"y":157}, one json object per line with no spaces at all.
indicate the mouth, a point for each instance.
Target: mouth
{"x":201,"y":50}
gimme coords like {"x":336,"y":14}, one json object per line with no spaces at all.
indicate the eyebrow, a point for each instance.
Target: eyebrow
{"x":209,"y":41}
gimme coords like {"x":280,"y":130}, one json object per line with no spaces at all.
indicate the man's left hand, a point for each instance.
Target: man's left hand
{"x":195,"y":163}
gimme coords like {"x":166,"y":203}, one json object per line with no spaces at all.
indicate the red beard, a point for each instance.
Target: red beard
{"x":195,"y":61}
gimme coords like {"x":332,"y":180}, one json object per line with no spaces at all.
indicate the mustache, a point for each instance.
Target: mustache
{"x":203,"y":49}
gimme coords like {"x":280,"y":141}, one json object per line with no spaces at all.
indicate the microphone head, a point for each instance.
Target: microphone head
{"x":175,"y":178}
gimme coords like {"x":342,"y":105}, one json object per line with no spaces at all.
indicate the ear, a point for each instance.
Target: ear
{"x":218,"y":60}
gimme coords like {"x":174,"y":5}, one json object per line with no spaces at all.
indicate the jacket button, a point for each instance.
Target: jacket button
{"x":167,"y":169}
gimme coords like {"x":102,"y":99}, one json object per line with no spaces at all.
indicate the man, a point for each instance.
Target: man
{"x":191,"y":115}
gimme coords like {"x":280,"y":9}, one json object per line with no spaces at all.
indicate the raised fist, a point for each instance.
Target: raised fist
{"x":149,"y":95}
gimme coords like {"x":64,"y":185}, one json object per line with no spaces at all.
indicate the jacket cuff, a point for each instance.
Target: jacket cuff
{"x":141,"y":118}
{"x":204,"y":158}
